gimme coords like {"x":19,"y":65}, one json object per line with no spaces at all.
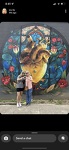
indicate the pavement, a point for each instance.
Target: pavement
{"x":35,"y":109}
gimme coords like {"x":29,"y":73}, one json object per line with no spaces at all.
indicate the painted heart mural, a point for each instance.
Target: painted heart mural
{"x":41,"y":50}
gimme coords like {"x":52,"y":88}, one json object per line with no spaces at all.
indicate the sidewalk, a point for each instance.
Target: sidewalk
{"x":35,"y":109}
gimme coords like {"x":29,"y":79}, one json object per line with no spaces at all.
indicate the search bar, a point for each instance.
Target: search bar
{"x":49,"y":138}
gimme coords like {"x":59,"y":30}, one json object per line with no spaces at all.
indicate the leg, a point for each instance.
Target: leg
{"x":30,"y":95}
{"x":21,"y":93}
{"x":18,"y":97}
{"x":27,"y":91}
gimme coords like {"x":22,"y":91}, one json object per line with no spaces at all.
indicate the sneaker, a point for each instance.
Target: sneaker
{"x":18,"y":105}
{"x":29,"y":103}
{"x":26,"y":104}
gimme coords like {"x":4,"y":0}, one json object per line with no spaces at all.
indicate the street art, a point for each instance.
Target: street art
{"x":42,"y":51}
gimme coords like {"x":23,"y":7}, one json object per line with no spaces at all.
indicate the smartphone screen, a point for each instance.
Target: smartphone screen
{"x":34,"y":76}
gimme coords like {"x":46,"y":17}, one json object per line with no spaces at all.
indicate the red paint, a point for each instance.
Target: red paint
{"x":5,"y":80}
{"x":58,"y":39}
{"x":11,"y":68}
{"x":64,"y":62}
{"x":10,"y":40}
{"x":10,"y":46}
{"x":61,"y":55}
{"x":54,"y":40}
{"x":64,"y":51}
{"x":62,"y":83}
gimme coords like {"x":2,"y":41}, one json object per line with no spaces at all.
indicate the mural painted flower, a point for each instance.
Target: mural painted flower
{"x":10,"y":40}
{"x":64,"y":62}
{"x":64,"y":51}
{"x":5,"y":80}
{"x":10,"y":46}
{"x":54,"y":40}
{"x":15,"y":49}
{"x":58,"y":39}
{"x":62,"y":83}
{"x":11,"y":68}
{"x":61,"y":55}
{"x":53,"y":50}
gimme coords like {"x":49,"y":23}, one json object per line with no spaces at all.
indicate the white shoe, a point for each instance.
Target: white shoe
{"x":31,"y":100}
{"x":18,"y":105}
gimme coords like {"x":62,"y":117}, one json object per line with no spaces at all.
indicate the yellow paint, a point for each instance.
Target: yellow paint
{"x":37,"y":65}
{"x":37,"y":72}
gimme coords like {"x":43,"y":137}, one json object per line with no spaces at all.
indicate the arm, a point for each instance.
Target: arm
{"x":26,"y":82}
{"x":26,"y":87}
{"x":20,"y":78}
{"x":30,"y":78}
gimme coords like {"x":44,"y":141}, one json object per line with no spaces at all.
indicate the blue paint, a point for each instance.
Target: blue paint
{"x":54,"y":66}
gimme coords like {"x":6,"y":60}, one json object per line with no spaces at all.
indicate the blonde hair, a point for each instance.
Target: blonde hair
{"x":4,"y":11}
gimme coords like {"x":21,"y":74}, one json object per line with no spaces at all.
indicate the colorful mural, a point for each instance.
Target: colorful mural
{"x":41,"y":50}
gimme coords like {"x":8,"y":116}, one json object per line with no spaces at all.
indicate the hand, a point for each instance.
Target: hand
{"x":26,"y":88}
{"x":23,"y":77}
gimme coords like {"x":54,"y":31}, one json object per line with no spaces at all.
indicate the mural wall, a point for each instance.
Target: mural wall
{"x":41,"y":50}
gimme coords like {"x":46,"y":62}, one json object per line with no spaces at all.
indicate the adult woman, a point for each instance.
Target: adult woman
{"x":20,"y":88}
{"x":28,"y":88}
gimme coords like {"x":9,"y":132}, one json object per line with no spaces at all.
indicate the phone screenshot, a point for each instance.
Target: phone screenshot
{"x":34,"y":76}
{"x":34,"y":61}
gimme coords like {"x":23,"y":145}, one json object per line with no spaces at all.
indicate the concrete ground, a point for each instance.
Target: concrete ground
{"x":35,"y":109}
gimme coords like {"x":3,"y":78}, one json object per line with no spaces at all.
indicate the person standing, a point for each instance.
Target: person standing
{"x":20,"y":88}
{"x":28,"y":83}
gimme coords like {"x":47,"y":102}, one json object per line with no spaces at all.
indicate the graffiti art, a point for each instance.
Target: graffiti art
{"x":41,"y":50}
